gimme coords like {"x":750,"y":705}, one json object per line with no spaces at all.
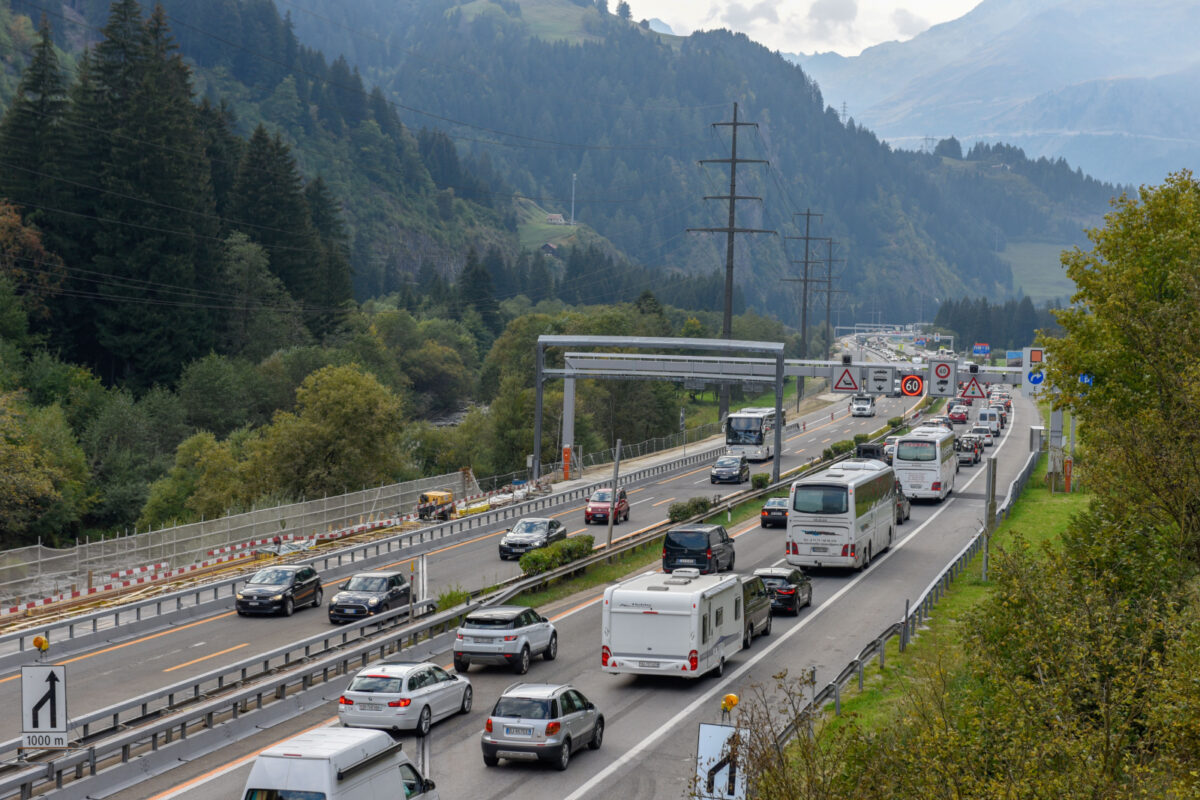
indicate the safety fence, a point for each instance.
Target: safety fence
{"x":39,"y":571}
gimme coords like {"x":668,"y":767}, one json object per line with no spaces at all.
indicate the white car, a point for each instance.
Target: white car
{"x":508,"y":635}
{"x":984,"y":432}
{"x":398,"y":697}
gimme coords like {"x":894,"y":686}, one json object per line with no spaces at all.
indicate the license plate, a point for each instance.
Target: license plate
{"x":255,"y":603}
{"x":818,"y":549}
{"x":648,"y":664}
{"x":687,"y":561}
{"x":370,"y":707}
{"x":511,"y":731}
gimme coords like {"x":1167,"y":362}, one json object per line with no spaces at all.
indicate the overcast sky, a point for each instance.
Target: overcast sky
{"x":805,"y":26}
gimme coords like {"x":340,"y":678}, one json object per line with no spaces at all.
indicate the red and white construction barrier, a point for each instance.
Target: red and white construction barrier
{"x":125,"y":573}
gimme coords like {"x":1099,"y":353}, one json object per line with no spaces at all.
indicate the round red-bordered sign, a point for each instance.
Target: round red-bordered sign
{"x":912,"y":386}
{"x":941,"y":372}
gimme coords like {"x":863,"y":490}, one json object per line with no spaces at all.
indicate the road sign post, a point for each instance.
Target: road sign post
{"x":44,"y":707}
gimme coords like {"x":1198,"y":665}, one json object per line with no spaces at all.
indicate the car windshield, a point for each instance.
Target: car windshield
{"x":817,"y":499}
{"x":727,"y":461}
{"x":916,"y":451}
{"x":387,"y":684}
{"x":522,"y":708}
{"x":777,"y":502}
{"x":529,"y":526}
{"x":492,"y":623}
{"x":271,"y":577}
{"x":367,"y":583}
{"x":602,"y":496}
{"x":687,"y":540}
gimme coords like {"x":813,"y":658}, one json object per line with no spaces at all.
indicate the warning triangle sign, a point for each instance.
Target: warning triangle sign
{"x":846,"y":381}
{"x":974,"y":390}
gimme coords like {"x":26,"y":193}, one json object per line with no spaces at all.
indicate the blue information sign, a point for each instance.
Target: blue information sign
{"x":1086,"y":377}
{"x":1036,"y":377}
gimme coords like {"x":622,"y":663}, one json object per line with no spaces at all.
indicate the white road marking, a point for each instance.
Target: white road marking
{"x":639,"y":502}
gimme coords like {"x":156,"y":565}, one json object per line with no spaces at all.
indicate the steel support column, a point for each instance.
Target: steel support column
{"x":539,"y":358}
{"x":778,"y":417}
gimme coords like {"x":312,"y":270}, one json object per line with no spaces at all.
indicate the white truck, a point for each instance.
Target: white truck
{"x":337,"y":764}
{"x":680,"y":623}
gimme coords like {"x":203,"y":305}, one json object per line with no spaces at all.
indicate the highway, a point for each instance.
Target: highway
{"x":650,"y":743}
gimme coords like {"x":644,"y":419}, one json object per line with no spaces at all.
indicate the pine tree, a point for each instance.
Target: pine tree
{"x":333,"y":274}
{"x":268,"y":205}
{"x":475,"y":291}
{"x":31,"y":133}
{"x":156,"y":241}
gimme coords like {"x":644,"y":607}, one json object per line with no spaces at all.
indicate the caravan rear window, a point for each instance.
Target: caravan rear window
{"x":282,"y":794}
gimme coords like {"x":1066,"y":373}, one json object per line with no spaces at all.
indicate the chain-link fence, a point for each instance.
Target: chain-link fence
{"x":38,"y":571}
{"x":691,"y":436}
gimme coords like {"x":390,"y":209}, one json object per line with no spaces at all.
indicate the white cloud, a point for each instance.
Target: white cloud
{"x":907,"y":23}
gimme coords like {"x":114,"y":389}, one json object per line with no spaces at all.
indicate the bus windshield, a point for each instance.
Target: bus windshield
{"x":916,"y":451}
{"x":744,"y":430}
{"x":816,"y":499}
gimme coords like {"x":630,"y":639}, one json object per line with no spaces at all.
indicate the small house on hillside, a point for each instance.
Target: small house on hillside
{"x":550,"y":249}
{"x":555,"y":219}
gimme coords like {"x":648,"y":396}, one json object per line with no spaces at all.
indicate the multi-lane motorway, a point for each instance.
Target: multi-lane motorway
{"x":650,"y":744}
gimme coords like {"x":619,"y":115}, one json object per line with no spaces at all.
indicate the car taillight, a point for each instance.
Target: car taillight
{"x":510,"y":638}
{"x":403,"y":702}
{"x":693,"y":661}
{"x":764,"y":512}
{"x":937,"y":486}
{"x":605,"y":655}
{"x":458,"y":636}
{"x":708,"y":553}
{"x":664,"y":555}
{"x":345,"y":701}
{"x":487,"y":726}
{"x":848,"y":551}
{"x":785,"y":591}
{"x":553,"y":728}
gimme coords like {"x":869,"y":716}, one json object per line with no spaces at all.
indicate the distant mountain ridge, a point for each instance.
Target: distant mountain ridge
{"x":1104,"y":84}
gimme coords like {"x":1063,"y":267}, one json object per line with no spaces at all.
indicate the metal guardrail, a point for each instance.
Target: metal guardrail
{"x":121,"y":744}
{"x":915,"y":614}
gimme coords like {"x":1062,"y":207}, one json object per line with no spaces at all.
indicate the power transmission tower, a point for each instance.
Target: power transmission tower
{"x":927,"y":144}
{"x":731,"y":228}
{"x":829,"y":293}
{"x":803,"y":281}
{"x":844,"y":112}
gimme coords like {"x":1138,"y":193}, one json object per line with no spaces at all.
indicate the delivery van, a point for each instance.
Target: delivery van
{"x":680,"y":623}
{"x":337,"y":764}
{"x":991,"y":418}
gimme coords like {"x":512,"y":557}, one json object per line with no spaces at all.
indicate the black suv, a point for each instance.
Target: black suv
{"x":705,"y":547}
{"x":756,"y":605}
{"x":279,"y":590}
{"x":369,"y":593}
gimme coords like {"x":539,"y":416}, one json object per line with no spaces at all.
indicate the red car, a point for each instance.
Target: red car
{"x":958,"y":415}
{"x":599,"y":504}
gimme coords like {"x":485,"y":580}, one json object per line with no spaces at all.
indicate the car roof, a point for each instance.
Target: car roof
{"x":696,"y":526}
{"x":498,"y":612}
{"x":393,"y":669}
{"x":775,"y":572}
{"x":535,"y":690}
{"x":284,"y":567}
{"x":531,"y":519}
{"x":379,"y":573}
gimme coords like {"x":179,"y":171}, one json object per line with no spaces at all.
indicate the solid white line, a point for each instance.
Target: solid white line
{"x":639,"y":502}
{"x":721,"y":686}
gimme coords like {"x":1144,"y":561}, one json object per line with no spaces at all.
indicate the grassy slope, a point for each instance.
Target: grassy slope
{"x":1037,"y":271}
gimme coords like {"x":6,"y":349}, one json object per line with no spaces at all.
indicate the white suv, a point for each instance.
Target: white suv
{"x":534,"y":721}
{"x":406,"y":696}
{"x":509,"y":635}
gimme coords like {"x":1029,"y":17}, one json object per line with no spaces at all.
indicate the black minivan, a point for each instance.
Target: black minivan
{"x":708,"y":548}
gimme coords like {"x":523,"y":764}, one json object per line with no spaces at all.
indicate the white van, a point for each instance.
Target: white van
{"x":991,"y":418}
{"x":862,"y":405}
{"x":680,"y":623}
{"x":336,"y":764}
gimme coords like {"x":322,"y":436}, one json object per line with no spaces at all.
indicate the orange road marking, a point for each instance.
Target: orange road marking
{"x":655,"y":505}
{"x":205,"y":658}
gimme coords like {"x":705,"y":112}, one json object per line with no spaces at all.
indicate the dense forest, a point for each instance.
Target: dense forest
{"x":1010,"y":325}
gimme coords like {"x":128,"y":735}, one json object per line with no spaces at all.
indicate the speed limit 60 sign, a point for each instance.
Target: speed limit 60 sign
{"x":912,"y":386}
{"x":943,"y":378}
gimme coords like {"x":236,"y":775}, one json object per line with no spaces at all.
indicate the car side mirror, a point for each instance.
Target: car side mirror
{"x":590,"y":706}
{"x":428,"y":785}
{"x":344,"y":586}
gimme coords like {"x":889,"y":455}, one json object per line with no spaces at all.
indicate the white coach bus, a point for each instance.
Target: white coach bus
{"x":751,"y":432}
{"x":843,"y":516}
{"x":925,"y":463}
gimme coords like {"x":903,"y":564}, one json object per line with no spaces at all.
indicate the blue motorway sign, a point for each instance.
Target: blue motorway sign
{"x":981,"y":349}
{"x":1013,"y":355}
{"x":1087,"y":377}
{"x":1036,"y":377}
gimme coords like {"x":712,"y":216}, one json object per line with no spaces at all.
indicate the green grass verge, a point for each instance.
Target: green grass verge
{"x":1037,"y":270}
{"x":1040,"y":517}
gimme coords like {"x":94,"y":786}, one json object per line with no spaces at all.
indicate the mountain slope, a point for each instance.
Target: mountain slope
{"x":980,"y":77}
{"x":628,"y":113}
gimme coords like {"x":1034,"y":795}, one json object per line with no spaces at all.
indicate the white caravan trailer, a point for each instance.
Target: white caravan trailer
{"x":680,"y":623}
{"x":336,"y":764}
